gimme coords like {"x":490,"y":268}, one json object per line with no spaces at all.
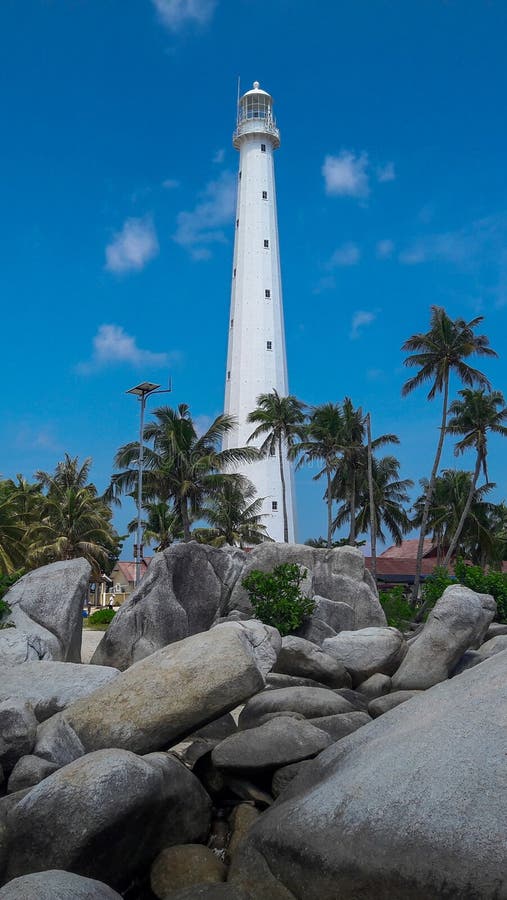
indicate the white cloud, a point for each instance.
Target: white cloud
{"x":132,"y":247}
{"x":348,"y":254}
{"x":175,"y":14}
{"x":219,"y":156}
{"x":326,"y":283}
{"x":170,"y":183}
{"x":203,"y":225}
{"x":113,"y":346}
{"x":41,"y":437}
{"x":384,"y":249}
{"x":359,"y":320}
{"x":386,"y":172}
{"x":346,"y":175}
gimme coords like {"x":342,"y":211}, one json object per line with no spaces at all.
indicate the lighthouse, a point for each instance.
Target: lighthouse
{"x":256,"y":357}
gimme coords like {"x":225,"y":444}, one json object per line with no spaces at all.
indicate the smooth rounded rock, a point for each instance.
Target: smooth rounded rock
{"x":183,"y":867}
{"x":368,"y":651}
{"x":375,"y":686}
{"x":304,"y":659}
{"x":243,"y":816}
{"x":277,"y":743}
{"x":338,"y":727}
{"x":383,"y":704}
{"x":28,"y":771}
{"x":56,"y":885}
{"x":18,"y":727}
{"x":310,"y":702}
{"x":50,"y":686}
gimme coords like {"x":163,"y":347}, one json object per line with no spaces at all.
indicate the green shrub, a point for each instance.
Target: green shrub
{"x":6,"y":581}
{"x":397,"y":608}
{"x":276,"y":597}
{"x":435,"y":585}
{"x":5,"y":609}
{"x":102,"y":616}
{"x":494,"y":583}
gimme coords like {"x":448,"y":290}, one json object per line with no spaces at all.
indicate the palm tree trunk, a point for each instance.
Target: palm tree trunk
{"x":429,"y":494}
{"x":373,"y":516}
{"x":464,"y":514}
{"x":284,"y":497}
{"x":185,"y":521}
{"x":352,"y":501}
{"x":329,"y":508}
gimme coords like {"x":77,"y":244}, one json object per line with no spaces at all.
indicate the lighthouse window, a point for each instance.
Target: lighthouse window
{"x":264,"y":195}
{"x":266,"y":244}
{"x":237,"y":223}
{"x":267,"y":293}
{"x":274,"y":505}
{"x":232,"y":322}
{"x":269,"y":345}
{"x":234,"y":273}
{"x":263,"y":148}
{"x":228,"y":376}
{"x":239,"y":176}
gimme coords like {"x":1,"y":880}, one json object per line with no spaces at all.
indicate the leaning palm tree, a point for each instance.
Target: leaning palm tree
{"x":476,"y":413}
{"x":280,"y":422}
{"x":390,"y":493}
{"x":235,"y":515}
{"x":436,"y":353}
{"x":323,"y":442}
{"x":180,"y":465}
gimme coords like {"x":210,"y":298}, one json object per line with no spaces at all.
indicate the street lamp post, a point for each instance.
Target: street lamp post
{"x":142,"y":392}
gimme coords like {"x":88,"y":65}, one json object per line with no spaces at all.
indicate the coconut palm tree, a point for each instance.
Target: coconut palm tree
{"x":235,"y":514}
{"x":12,"y":531}
{"x":180,"y":465}
{"x":69,"y":473}
{"x":476,"y":413}
{"x":280,"y":422}
{"x":437,"y":353}
{"x":389,"y":494}
{"x":323,"y":442}
{"x":161,"y":527}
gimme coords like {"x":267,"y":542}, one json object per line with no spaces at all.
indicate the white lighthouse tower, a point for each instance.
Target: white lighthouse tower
{"x":256,"y":358}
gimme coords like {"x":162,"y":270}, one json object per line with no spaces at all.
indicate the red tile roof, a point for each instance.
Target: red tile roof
{"x":406,"y":550}
{"x":128,"y":568}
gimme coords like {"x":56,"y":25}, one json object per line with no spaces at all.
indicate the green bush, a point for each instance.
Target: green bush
{"x":276,"y":597}
{"x":494,"y":583}
{"x":5,"y":609}
{"x":435,"y":585}
{"x":6,"y":581}
{"x":102,"y":616}
{"x":397,"y":608}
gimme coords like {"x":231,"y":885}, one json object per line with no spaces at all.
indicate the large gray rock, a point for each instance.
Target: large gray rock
{"x":51,"y":686}
{"x":47,"y":611}
{"x":106,"y":815}
{"x":375,"y":686}
{"x":327,"y":619}
{"x":57,"y":885}
{"x":266,"y":642}
{"x":184,"y":866}
{"x":306,"y":660}
{"x":459,"y":620}
{"x":18,"y":727}
{"x":473,"y":657}
{"x":309,"y":702}
{"x":162,"y":698}
{"x":28,"y":771}
{"x":280,"y":741}
{"x":185,"y":591}
{"x":368,"y":651}
{"x":339,"y":726}
{"x":406,"y":807}
{"x":337,"y":575}
{"x":381,"y":705}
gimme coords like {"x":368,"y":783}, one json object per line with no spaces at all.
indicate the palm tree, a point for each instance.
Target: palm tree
{"x":280,"y":422}
{"x":436,"y":353}
{"x":449,"y":498}
{"x":161,"y":527}
{"x":181,"y":465}
{"x":12,"y":532}
{"x":234,"y":514}
{"x":69,"y":473}
{"x":473,"y":416}
{"x":74,"y":523}
{"x":323,"y":441}
{"x":389,"y":494}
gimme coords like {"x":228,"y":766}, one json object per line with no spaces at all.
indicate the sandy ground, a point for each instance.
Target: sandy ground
{"x":91,"y":640}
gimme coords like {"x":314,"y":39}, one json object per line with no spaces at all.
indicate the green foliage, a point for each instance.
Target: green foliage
{"x":494,"y":583}
{"x":276,"y":597}
{"x":399,"y":612}
{"x":435,"y":585}
{"x":4,"y":611}
{"x":102,"y":616}
{"x":6,"y":582}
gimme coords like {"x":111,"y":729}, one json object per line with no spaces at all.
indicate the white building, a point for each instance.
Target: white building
{"x":256,"y":358}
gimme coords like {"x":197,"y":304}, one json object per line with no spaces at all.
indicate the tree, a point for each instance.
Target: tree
{"x":280,"y":422}
{"x":234,"y":514}
{"x":180,"y":465}
{"x":69,"y":473}
{"x":12,"y":532}
{"x":436,"y":353}
{"x":389,"y":494}
{"x":323,"y":442}
{"x":450,"y":494}
{"x":476,"y":413}
{"x":161,"y":527}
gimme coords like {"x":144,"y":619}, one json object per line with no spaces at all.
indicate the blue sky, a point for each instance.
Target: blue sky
{"x":117,"y":192}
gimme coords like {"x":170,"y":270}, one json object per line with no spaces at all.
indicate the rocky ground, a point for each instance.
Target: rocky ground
{"x":359,"y":762}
